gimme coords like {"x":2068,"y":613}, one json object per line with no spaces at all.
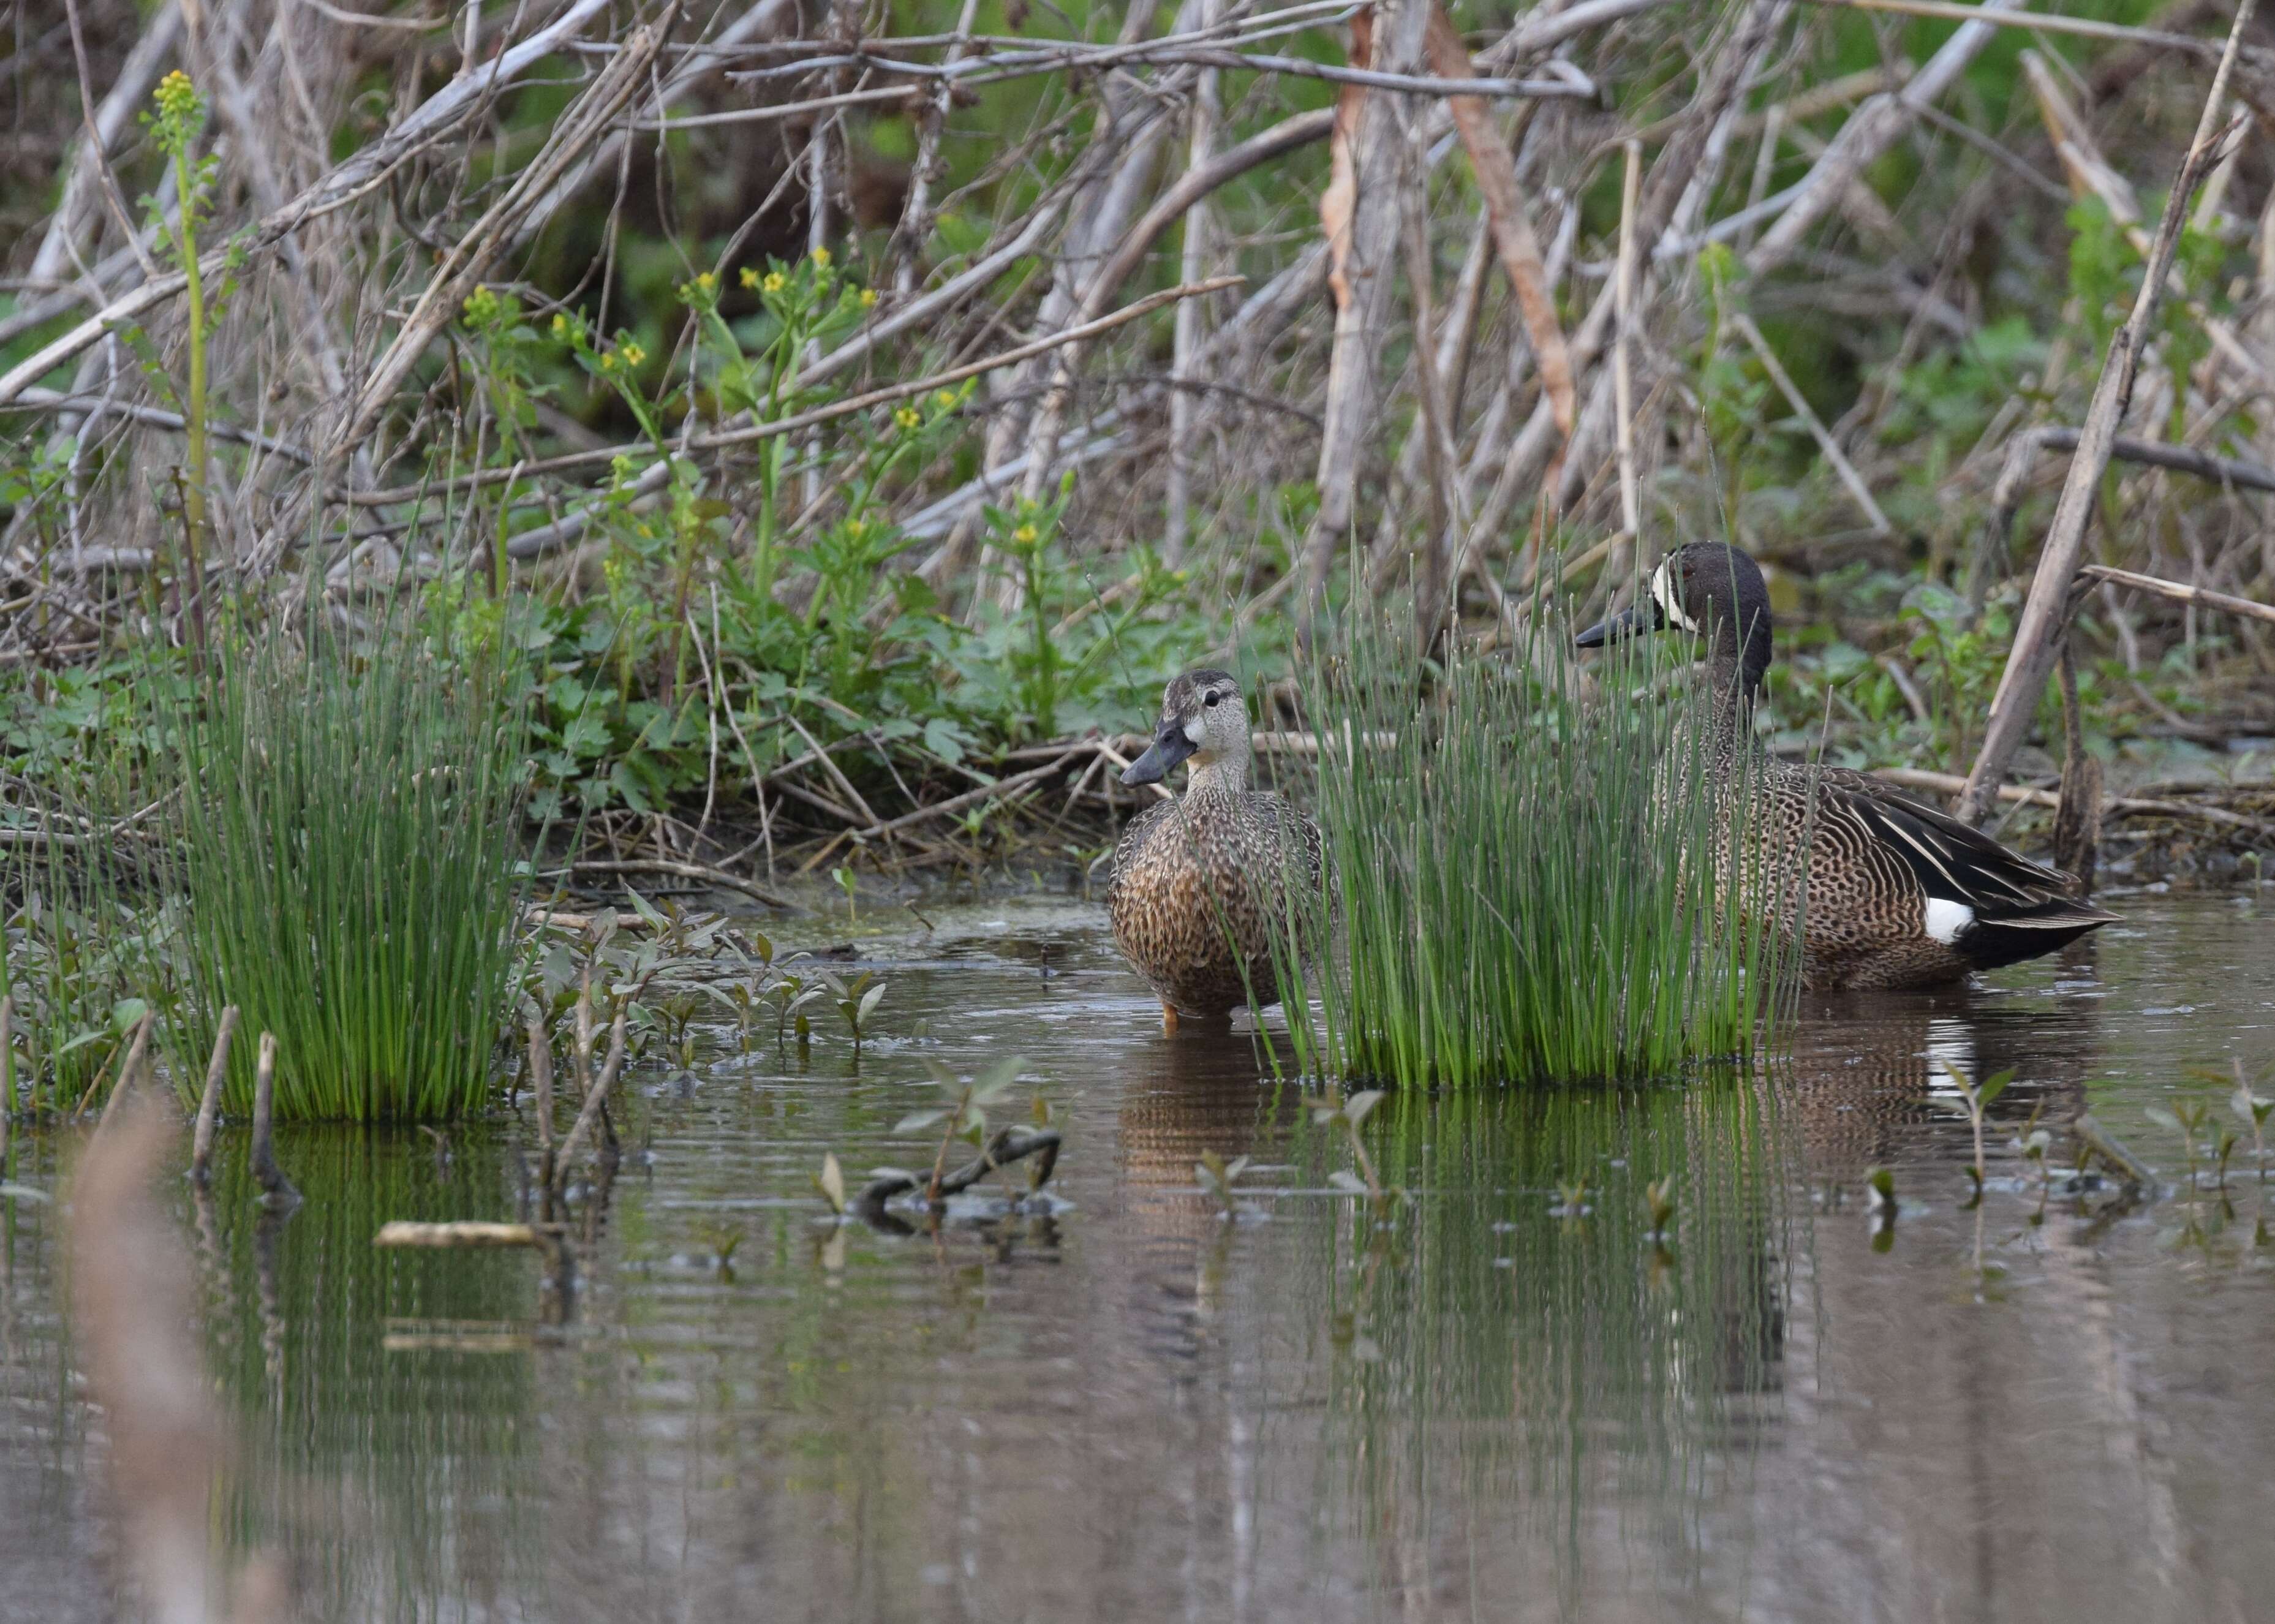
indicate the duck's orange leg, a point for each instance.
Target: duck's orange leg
{"x":1168,"y":1018}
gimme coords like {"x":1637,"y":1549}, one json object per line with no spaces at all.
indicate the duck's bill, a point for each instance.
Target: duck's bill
{"x":1628,"y":622}
{"x":1170,"y":746}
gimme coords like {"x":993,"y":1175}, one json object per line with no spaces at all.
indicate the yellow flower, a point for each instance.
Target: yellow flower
{"x":908,"y":417}
{"x":774,"y":283}
{"x":608,"y":361}
{"x":175,"y":97}
{"x":634,"y":355}
{"x":944,"y":399}
{"x":749,"y":277}
{"x":707,"y":281}
{"x":561,"y":327}
{"x":821,"y":258}
{"x":868,"y":300}
{"x":1025,"y":535}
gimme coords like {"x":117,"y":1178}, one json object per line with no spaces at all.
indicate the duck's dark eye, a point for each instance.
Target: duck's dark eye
{"x":1212,"y":698}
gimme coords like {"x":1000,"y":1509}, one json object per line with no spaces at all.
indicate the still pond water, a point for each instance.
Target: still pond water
{"x":1476,"y":1407}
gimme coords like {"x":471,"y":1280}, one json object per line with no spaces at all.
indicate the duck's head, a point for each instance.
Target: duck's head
{"x":1710,"y":590}
{"x":1203,"y":720}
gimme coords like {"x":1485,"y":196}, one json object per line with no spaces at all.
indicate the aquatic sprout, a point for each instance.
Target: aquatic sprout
{"x":1351,"y":1112}
{"x":1217,"y":1177}
{"x":2186,"y":1118}
{"x":1880,"y":1200}
{"x":856,"y":1001}
{"x":966,"y":1118}
{"x":1658,"y":1201}
{"x":2253,"y":1110}
{"x":843,"y":876}
{"x":1979,"y":1097}
{"x":1571,"y":1199}
{"x":2033,"y":1142}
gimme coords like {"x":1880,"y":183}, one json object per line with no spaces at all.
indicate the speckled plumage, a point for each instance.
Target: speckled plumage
{"x":1200,"y":881}
{"x":1894,"y":892}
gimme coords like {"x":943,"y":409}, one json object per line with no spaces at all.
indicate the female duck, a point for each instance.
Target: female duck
{"x":1200,"y":882}
{"x":1898,"y":893}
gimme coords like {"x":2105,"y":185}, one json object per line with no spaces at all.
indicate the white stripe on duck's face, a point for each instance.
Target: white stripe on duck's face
{"x":1195,"y":727}
{"x":1663,"y":593}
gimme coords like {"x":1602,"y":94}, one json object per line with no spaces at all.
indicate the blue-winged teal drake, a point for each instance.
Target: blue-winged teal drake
{"x":1898,"y":893}
{"x":1200,"y":881}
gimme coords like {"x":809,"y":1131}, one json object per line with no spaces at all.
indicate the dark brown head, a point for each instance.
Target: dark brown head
{"x":1711,"y":591}
{"x":1203,"y":718}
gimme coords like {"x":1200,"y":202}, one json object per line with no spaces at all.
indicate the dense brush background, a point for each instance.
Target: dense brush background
{"x":812,"y":635}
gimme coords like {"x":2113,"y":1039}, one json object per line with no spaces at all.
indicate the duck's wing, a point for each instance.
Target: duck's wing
{"x":1957,"y":863}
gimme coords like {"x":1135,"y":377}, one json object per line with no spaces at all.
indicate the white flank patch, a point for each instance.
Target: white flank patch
{"x":1196,"y":730}
{"x":1662,"y":589}
{"x":1946,"y":919}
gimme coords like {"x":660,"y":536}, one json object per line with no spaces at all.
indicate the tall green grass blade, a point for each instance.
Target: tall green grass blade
{"x":345,"y":863}
{"x":1522,"y":864}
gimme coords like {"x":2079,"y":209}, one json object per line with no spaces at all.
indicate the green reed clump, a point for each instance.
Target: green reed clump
{"x":1521,"y":862}
{"x":345,"y":862}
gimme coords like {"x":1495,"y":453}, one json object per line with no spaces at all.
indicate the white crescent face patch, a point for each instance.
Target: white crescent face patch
{"x":1662,"y":592}
{"x":1196,"y":730}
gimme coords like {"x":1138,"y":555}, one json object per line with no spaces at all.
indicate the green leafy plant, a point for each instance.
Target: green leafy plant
{"x":1977,"y":1098}
{"x":856,"y":1001}
{"x":1349,"y":1113}
{"x":1217,"y":1177}
{"x":966,"y":1118}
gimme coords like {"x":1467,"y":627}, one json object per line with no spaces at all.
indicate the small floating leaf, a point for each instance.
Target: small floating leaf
{"x":1350,"y":1183}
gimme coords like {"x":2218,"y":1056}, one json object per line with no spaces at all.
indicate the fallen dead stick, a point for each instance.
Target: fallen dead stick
{"x":468,"y":1234}
{"x":1009,"y":1145}
{"x":558,"y":920}
{"x":971,"y":798}
{"x":686,"y":871}
{"x":2180,"y":592}
{"x":2095,"y":1138}
{"x":464,"y":1233}
{"x":1263,"y":743}
{"x":2181,"y":459}
{"x":1951,"y":784}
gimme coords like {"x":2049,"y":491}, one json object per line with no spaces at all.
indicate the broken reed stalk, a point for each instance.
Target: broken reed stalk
{"x":597,"y":1094}
{"x":540,"y":1084}
{"x":2015,"y":703}
{"x":277,"y":1190}
{"x":1623,"y":342}
{"x":209,"y":1102}
{"x":129,"y":1069}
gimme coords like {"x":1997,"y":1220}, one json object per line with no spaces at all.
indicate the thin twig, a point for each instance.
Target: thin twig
{"x":2032,"y":657}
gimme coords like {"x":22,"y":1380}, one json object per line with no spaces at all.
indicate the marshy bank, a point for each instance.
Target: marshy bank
{"x":1502,"y":1393}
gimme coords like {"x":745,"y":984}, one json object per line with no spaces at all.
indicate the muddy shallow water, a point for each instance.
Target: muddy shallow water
{"x":1478,"y":1405}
